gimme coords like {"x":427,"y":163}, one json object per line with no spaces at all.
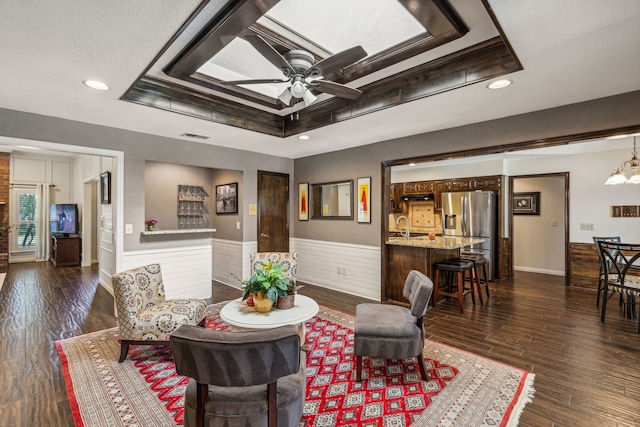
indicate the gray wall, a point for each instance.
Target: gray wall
{"x":226,"y":224}
{"x":139,"y":148}
{"x":607,"y":113}
{"x":161,"y":190}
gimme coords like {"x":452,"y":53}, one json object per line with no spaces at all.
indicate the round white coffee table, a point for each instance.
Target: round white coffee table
{"x":238,"y":313}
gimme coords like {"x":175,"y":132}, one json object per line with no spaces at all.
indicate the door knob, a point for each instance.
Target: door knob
{"x":264,"y":235}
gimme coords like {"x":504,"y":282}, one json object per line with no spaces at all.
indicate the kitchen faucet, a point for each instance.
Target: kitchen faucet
{"x":406,"y":233}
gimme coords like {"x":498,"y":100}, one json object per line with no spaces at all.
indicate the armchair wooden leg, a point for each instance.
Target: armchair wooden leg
{"x":124,"y":349}
{"x":272,"y":398}
{"x":359,"y":368}
{"x":423,"y":368}
{"x":202,"y":393}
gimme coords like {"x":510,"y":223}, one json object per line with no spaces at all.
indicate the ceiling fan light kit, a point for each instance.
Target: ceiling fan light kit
{"x":303,"y":74}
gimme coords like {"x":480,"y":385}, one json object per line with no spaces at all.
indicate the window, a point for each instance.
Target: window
{"x":24,"y":236}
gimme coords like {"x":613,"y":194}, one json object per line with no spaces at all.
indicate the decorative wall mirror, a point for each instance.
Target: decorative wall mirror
{"x":332,"y":200}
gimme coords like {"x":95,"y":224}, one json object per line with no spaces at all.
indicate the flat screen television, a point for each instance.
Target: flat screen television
{"x":63,"y":219}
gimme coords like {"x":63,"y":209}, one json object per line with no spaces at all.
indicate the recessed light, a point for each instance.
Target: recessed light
{"x":499,"y":84}
{"x":412,"y":164}
{"x":94,"y":84}
{"x":618,"y":136}
{"x":304,"y":137}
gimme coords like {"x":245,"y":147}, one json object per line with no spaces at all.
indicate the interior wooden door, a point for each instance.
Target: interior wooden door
{"x":273,"y":212}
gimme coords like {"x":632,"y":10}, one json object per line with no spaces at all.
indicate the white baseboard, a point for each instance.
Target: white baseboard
{"x":540,"y":270}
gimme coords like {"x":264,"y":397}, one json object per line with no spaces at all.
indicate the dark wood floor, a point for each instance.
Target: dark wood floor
{"x":587,"y":373}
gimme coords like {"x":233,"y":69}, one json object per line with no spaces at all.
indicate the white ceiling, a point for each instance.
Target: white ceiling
{"x":571,"y":51}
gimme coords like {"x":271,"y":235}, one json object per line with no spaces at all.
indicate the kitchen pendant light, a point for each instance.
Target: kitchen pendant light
{"x":619,"y":175}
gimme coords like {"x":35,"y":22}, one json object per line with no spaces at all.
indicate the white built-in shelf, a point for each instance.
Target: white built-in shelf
{"x":184,"y":231}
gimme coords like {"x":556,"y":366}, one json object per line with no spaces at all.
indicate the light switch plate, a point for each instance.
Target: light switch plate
{"x":128,"y":229}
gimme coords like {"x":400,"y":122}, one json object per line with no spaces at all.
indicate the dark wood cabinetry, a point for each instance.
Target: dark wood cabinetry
{"x":487,"y":183}
{"x":65,"y":251}
{"x":460,"y":184}
{"x":402,"y":259}
{"x":478,"y":183}
{"x":439,"y":187}
{"x":418,"y":187}
{"x":397,"y":204}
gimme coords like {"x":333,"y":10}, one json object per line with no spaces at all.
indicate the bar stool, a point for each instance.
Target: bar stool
{"x":454,"y":268}
{"x":478,"y":261}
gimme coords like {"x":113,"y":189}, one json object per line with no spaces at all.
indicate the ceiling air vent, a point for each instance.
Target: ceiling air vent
{"x":193,"y":135}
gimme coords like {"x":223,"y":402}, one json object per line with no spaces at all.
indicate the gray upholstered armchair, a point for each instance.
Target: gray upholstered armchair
{"x":145,"y":317}
{"x":392,"y":331}
{"x":241,"y":379}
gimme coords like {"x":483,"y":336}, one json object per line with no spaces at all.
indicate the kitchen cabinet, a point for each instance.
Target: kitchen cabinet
{"x":478,"y":183}
{"x":419,"y":187}
{"x":460,"y":184}
{"x":402,"y":258}
{"x":439,"y":187}
{"x":397,"y":204}
{"x":487,"y":183}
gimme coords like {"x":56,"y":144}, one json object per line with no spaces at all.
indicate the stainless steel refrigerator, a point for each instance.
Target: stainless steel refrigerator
{"x":473,"y":214}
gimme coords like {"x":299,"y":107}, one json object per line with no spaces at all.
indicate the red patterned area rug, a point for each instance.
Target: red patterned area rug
{"x":464,"y":389}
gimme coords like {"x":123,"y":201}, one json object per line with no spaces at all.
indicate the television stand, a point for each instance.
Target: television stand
{"x":65,"y":250}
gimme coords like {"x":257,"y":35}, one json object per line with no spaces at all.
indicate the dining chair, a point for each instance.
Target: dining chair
{"x":621,"y":275}
{"x":240,"y":379}
{"x":601,"y":262}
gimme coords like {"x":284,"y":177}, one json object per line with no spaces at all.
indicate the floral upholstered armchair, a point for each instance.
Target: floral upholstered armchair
{"x":288,"y":261}
{"x":145,"y":317}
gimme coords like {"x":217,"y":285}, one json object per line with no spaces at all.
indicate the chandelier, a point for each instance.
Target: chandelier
{"x":619,"y":175}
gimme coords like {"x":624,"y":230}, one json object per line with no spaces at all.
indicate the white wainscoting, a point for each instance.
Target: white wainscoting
{"x":320,"y":261}
{"x":231,"y":258}
{"x":186,"y":272}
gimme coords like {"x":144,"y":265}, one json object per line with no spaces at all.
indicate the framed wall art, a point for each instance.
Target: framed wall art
{"x":364,"y":200}
{"x":526,"y":203}
{"x":303,"y":201}
{"x":227,"y":198}
{"x":105,"y":188}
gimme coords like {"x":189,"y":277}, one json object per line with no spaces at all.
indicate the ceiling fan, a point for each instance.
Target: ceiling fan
{"x":303,"y":75}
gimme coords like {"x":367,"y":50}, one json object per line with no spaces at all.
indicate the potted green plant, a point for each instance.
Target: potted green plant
{"x":266,"y":284}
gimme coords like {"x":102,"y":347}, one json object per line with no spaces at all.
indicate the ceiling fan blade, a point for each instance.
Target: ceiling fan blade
{"x":336,"y":62}
{"x":336,"y":89}
{"x":272,"y":55}
{"x":253,"y":82}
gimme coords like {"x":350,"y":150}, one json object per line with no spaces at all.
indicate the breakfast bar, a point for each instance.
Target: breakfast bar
{"x":417,"y":253}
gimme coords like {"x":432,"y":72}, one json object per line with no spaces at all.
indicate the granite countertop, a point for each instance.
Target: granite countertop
{"x":441,"y":242}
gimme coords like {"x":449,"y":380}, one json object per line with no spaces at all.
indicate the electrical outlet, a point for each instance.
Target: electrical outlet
{"x":238,"y":225}
{"x":339,"y":270}
{"x":554,"y":223}
{"x":344,"y":271}
{"x":586,"y":226}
